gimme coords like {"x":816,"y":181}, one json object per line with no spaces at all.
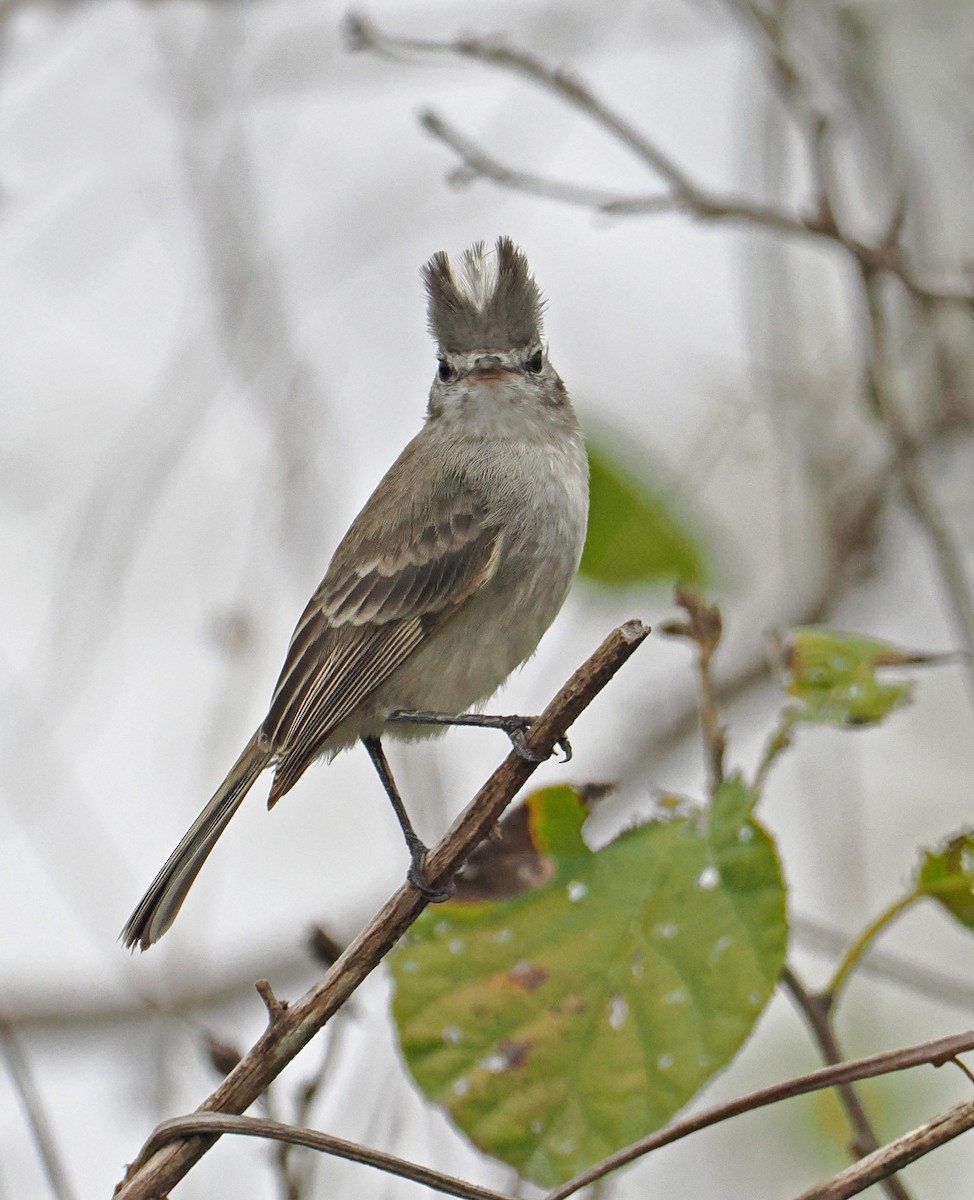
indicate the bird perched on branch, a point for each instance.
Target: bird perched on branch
{"x":447,"y":578}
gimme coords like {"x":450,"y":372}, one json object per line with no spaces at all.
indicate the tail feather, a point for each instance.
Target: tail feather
{"x":157,"y":909}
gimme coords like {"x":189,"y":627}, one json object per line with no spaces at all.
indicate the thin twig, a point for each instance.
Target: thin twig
{"x":299,"y":1176}
{"x":796,"y":94}
{"x":212,"y":1124}
{"x":964,"y":1069}
{"x":154,"y":1174}
{"x":478,"y":163}
{"x":363,"y":34}
{"x":875,"y":1167}
{"x":704,"y":627}
{"x":684,"y":193}
{"x":934,"y":1053}
{"x":37,"y":1121}
{"x":919,"y":495}
{"x":816,"y":1010}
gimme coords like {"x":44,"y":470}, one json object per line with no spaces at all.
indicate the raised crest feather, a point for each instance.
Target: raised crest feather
{"x":490,"y":303}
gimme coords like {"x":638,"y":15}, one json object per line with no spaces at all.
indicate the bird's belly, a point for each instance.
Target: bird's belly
{"x":470,"y":656}
{"x":491,"y":634}
{"x":475,"y":650}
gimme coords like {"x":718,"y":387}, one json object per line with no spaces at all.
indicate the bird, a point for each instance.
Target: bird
{"x":446,"y":580}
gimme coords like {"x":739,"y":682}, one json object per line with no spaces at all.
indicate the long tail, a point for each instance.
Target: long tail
{"x":157,"y":909}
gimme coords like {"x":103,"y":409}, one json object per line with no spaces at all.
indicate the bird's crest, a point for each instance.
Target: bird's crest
{"x":492,"y":303}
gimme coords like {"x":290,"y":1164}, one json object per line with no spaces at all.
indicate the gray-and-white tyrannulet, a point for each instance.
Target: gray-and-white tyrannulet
{"x":447,"y":578}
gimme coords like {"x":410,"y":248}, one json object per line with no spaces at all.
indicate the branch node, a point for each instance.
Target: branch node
{"x":275,"y":1008}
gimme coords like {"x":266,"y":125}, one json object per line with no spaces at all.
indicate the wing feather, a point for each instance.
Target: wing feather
{"x":374,"y":608}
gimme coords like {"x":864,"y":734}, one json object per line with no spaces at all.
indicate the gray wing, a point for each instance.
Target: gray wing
{"x":380,"y":600}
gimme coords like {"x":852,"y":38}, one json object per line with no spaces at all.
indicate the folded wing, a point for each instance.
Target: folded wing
{"x":374,"y":608}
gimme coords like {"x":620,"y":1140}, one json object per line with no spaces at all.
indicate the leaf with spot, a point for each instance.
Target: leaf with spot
{"x":947,"y":876}
{"x":835,"y":676}
{"x":633,"y":534}
{"x":580,"y":1014}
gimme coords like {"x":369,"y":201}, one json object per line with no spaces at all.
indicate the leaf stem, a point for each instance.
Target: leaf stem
{"x":859,"y":947}
{"x":778,"y":742}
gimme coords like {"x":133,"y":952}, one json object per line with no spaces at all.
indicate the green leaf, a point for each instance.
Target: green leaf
{"x":633,"y":537}
{"x":947,"y":876}
{"x":556,"y":817}
{"x":834,"y":675}
{"x":562,"y":1024}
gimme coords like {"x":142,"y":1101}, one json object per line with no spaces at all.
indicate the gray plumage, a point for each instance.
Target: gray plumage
{"x":449,"y":576}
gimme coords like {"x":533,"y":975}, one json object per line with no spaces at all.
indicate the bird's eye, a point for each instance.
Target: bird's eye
{"x":535,"y":362}
{"x":444,"y":370}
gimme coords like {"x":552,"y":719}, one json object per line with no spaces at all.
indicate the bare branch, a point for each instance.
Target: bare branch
{"x":817,"y":1013}
{"x":154,"y":1174}
{"x":797,"y":94}
{"x":684,"y":193}
{"x":934,"y":1053}
{"x":30,"y":1101}
{"x":892,"y":1157}
{"x":477,"y":163}
{"x":906,"y":464}
{"x":363,"y":35}
{"x":696,"y":203}
{"x":704,"y":627}
{"x":213,"y":1124}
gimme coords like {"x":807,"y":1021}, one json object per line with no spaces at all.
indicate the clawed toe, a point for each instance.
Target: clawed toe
{"x":516,"y":732}
{"x":416,"y":875}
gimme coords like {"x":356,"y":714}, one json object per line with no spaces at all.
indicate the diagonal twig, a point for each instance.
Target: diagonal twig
{"x":34,"y":1112}
{"x":684,"y":193}
{"x":934,"y":1053}
{"x":364,"y":35}
{"x":291,"y":1027}
{"x":817,"y":1011}
{"x":895,"y":1155}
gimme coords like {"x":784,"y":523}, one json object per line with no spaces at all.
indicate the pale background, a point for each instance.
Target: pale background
{"x":212,"y":342}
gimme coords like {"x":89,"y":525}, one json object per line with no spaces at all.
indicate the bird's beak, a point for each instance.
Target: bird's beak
{"x":489,"y":366}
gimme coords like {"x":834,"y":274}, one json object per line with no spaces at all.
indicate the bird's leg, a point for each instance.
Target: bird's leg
{"x":417,"y":848}
{"x":514,"y":726}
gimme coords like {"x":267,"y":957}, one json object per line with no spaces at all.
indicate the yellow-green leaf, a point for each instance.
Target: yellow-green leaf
{"x":633,"y":534}
{"x":560,"y":1025}
{"x":836,"y":676}
{"x":947,"y":876}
